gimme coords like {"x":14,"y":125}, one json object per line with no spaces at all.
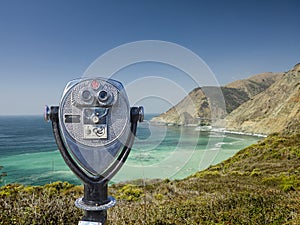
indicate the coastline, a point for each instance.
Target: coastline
{"x":209,"y":128}
{"x":249,"y":134}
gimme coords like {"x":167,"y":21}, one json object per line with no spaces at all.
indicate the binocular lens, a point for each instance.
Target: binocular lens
{"x":103,"y":96}
{"x":86,"y":95}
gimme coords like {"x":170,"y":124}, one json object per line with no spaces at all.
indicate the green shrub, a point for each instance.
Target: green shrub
{"x":289,"y":183}
{"x":208,"y":173}
{"x":237,"y":173}
{"x":285,"y":183}
{"x":255,"y":172}
{"x":158,"y":196}
{"x":130,"y":193}
{"x":271,"y":181}
{"x":34,"y":205}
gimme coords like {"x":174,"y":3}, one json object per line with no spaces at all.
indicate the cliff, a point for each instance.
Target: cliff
{"x":195,"y":108}
{"x":273,"y":110}
{"x":187,"y":110}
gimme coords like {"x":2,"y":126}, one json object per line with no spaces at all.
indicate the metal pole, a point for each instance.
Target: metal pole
{"x":95,"y":194}
{"x":95,"y":204}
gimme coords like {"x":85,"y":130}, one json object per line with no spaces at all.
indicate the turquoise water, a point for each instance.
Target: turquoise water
{"x":29,"y":154}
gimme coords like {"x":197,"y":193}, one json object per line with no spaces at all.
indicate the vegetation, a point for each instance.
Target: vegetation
{"x":259,"y":185}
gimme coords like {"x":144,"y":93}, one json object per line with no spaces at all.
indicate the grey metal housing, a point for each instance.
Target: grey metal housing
{"x":95,"y":140}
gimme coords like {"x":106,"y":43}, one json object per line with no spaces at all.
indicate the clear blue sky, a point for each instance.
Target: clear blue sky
{"x":44,"y":44}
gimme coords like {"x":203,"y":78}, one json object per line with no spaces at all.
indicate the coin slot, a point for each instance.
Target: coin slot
{"x":72,"y":118}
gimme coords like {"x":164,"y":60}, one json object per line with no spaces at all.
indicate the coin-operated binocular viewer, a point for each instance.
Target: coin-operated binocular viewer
{"x":94,"y":128}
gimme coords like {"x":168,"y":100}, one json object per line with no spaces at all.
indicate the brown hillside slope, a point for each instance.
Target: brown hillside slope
{"x":187,"y":110}
{"x":272,"y":110}
{"x":195,"y":108}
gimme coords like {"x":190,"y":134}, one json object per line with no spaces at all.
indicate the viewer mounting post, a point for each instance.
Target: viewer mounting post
{"x":94,"y":129}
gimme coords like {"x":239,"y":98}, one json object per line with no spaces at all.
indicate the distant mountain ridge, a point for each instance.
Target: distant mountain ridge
{"x":196,"y":107}
{"x":255,"y":84}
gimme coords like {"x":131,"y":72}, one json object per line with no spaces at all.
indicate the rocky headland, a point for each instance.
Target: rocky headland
{"x":262,"y":104}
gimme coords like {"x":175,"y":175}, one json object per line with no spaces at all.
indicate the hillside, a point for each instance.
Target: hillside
{"x":195,"y":108}
{"x":186,"y":111}
{"x":272,"y":110}
{"x":255,"y":84}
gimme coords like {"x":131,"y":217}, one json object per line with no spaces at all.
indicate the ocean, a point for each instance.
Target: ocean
{"x":29,"y":155}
